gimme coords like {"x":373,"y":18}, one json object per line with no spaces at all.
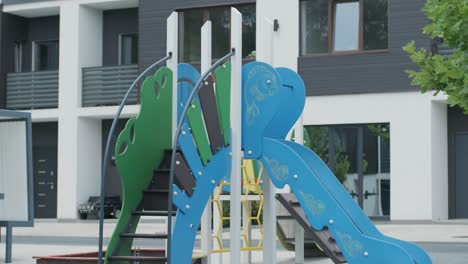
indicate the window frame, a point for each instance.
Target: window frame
{"x":206,"y":16}
{"x":331,"y":33}
{"x":121,"y":35}
{"x":34,"y":50}
{"x":18,"y":56}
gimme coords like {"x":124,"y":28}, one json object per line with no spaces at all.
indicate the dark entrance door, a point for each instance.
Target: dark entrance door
{"x":461,"y":175}
{"x":45,"y":182}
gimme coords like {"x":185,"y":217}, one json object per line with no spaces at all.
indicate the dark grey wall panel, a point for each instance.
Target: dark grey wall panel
{"x":12,"y":28}
{"x":39,"y":29}
{"x":370,"y":73}
{"x":152,"y":17}
{"x":45,"y":135}
{"x":116,"y":22}
{"x":114,"y":186}
{"x":457,"y":123}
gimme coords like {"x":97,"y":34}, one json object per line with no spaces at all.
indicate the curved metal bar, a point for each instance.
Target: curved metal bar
{"x":195,"y":90}
{"x":106,"y":151}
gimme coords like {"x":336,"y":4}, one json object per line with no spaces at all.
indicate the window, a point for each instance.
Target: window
{"x":337,"y":26}
{"x":346,"y":21}
{"x":128,"y":49}
{"x":18,"y":56}
{"x":45,"y":55}
{"x":191,"y":21}
{"x":375,"y":24}
{"x":339,"y":146}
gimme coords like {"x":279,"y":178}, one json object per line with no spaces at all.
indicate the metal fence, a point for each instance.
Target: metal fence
{"x":108,"y":85}
{"x":32,"y":90}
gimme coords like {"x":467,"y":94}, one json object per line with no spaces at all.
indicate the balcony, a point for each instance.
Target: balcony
{"x":104,"y":86}
{"x":444,"y":50}
{"x":32,"y":90}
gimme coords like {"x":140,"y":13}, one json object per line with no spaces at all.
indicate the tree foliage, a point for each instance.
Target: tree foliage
{"x":438,"y":73}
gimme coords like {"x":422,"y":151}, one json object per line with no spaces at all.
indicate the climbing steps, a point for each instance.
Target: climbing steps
{"x":154,"y":203}
{"x":322,"y":237}
{"x":142,"y":147}
{"x":201,"y":160}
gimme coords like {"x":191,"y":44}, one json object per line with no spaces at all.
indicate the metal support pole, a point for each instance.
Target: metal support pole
{"x":206,"y":218}
{"x":299,"y":243}
{"x":360,"y":154}
{"x":247,"y":228}
{"x":8,"y":243}
{"x":236,"y":135}
{"x":331,"y":148}
{"x":218,"y":225}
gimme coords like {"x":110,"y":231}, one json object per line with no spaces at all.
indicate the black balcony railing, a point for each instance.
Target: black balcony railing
{"x":108,"y":85}
{"x":445,"y":50}
{"x":32,"y":90}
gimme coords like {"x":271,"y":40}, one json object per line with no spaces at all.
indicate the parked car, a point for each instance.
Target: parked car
{"x":112,"y":207}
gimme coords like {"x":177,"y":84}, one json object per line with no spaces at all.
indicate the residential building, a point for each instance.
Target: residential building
{"x":400,"y":153}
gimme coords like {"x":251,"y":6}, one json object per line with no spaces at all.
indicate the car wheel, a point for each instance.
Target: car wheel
{"x":83,"y":216}
{"x":117,"y":213}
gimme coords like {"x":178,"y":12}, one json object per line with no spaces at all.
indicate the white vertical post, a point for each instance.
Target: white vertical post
{"x":206,"y":218}
{"x":298,"y":230}
{"x":172,"y":47}
{"x":236,"y":137}
{"x":265,"y":54}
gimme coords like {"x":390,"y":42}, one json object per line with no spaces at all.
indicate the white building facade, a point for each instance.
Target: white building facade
{"x":408,"y":172}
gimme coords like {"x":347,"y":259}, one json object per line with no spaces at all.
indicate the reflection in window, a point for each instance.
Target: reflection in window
{"x":327,"y":26}
{"x":18,"y":56}
{"x":314,"y":26}
{"x":220,"y":30}
{"x":128,"y":49}
{"x":191,"y":21}
{"x":346,"y":26}
{"x":337,"y":146}
{"x":46,"y":55}
{"x":249,"y":25}
{"x":375,"y":31}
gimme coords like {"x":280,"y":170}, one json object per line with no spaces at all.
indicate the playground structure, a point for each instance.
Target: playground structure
{"x":191,"y":134}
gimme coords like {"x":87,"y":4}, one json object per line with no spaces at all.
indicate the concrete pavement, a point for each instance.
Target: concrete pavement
{"x":445,"y":241}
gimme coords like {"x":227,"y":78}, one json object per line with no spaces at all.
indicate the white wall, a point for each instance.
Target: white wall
{"x":418,"y":189}
{"x":79,"y":139}
{"x":89,"y":159}
{"x":286,"y":40}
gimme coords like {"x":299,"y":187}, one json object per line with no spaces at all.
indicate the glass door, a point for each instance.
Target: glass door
{"x":359,"y":156}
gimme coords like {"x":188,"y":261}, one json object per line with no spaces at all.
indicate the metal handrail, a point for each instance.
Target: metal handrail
{"x":195,"y":91}
{"x":106,"y":151}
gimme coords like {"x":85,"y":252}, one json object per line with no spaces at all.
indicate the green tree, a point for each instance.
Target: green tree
{"x":448,"y":74}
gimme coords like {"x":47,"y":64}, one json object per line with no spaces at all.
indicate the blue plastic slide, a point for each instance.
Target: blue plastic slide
{"x":273,"y":99}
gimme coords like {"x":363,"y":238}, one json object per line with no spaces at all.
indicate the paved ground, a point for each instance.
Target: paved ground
{"x":447,"y":242}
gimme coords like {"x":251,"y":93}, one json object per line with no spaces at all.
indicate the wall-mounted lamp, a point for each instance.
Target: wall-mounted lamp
{"x":275,"y":25}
